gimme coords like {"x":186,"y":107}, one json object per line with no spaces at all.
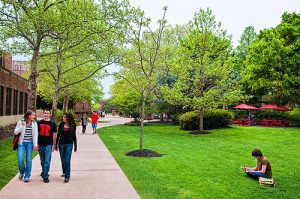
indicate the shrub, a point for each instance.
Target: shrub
{"x":175,"y":118}
{"x":214,"y":118}
{"x":294,"y":116}
{"x":134,"y":123}
{"x":275,"y":115}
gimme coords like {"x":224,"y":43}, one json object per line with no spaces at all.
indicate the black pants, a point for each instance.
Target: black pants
{"x":83,"y":128}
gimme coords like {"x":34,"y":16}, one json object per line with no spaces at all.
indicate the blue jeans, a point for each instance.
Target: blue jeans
{"x":257,"y":174}
{"x":45,"y":156}
{"x":27,"y":148}
{"x":65,"y":151}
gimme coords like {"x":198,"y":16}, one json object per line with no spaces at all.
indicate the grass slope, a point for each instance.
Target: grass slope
{"x":206,"y":166}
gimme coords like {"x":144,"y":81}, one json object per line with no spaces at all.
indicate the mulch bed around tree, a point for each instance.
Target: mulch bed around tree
{"x":198,"y":132}
{"x":7,"y":131}
{"x":144,"y":153}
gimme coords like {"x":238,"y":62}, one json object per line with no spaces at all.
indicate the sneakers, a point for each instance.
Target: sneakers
{"x":46,"y":180}
{"x":66,"y":180}
{"x":21,"y":176}
{"x":63,"y":175}
{"x":26,"y":179}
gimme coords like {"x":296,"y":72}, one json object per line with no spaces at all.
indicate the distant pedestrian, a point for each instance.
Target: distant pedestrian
{"x":46,"y":142}
{"x":28,"y":129}
{"x":66,"y":136}
{"x":94,"y":118}
{"x":83,"y":122}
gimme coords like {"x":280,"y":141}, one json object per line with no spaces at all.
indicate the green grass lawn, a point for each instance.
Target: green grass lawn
{"x":207,"y":166}
{"x":8,"y":161}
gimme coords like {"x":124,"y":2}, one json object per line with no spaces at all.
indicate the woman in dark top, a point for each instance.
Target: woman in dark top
{"x":66,"y":136}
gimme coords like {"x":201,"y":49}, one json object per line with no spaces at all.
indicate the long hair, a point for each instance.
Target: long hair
{"x":70,"y":119}
{"x":27,"y":114}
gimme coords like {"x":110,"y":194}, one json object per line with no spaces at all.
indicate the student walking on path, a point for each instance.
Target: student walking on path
{"x":94,"y":118}
{"x":66,"y":136}
{"x":46,"y":142}
{"x":83,"y":122}
{"x":27,"y":127}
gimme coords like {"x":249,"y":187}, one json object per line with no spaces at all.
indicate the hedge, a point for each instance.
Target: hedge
{"x":213,"y":118}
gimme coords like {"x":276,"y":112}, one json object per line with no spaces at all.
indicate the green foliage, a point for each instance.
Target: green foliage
{"x":247,"y":38}
{"x":125,"y":98}
{"x":175,"y":118}
{"x":214,"y":118}
{"x":275,"y":115}
{"x":207,"y":167}
{"x":59,"y":116}
{"x":273,"y":60}
{"x":294,"y":116}
{"x":203,"y":66}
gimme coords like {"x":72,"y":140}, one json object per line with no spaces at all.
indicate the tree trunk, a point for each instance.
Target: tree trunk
{"x":161,"y":117}
{"x":32,"y":79}
{"x":54,"y":104}
{"x":142,"y":123}
{"x":66,"y":103}
{"x":201,"y":119}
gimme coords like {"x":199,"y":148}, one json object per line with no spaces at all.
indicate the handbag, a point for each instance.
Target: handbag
{"x":15,"y":141}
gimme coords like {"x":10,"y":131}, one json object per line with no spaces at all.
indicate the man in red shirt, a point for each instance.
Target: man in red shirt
{"x":94,"y":119}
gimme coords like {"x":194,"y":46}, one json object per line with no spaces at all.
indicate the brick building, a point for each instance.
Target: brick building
{"x":82,"y":107}
{"x":14,"y":94}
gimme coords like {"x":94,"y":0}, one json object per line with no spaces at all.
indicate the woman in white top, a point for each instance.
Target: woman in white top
{"x":27,"y":127}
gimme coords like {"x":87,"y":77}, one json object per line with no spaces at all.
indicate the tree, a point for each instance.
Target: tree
{"x":30,"y":23}
{"x":273,"y":60}
{"x":141,"y":64}
{"x":126,"y":98}
{"x":202,"y":66}
{"x":20,"y":21}
{"x":247,"y":38}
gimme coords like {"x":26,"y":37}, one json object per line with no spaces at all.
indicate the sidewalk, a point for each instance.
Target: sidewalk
{"x":94,"y":173}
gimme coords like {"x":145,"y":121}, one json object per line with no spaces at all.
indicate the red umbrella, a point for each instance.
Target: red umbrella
{"x":246,"y":106}
{"x":274,"y":107}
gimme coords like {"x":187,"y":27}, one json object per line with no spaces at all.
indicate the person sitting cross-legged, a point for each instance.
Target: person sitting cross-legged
{"x":262,"y":168}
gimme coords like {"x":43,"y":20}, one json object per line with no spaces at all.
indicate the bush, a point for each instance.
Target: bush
{"x":175,"y":118}
{"x":294,"y":116}
{"x":274,"y":115}
{"x":134,"y":123}
{"x":214,"y":118}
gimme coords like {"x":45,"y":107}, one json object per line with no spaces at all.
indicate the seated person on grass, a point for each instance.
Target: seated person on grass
{"x":263,"y":166}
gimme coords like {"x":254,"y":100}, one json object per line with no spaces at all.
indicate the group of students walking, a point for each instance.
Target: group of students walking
{"x":41,"y":136}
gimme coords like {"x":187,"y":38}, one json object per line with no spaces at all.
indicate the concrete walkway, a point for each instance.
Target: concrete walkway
{"x":94,"y":173}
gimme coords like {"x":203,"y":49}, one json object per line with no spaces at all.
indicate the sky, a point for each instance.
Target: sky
{"x":234,"y":15}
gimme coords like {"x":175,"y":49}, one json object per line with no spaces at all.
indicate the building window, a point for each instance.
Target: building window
{"x":21,"y":100}
{"x":8,"y":101}
{"x":1,"y":100}
{"x":15,"y":103}
{"x":25,"y":102}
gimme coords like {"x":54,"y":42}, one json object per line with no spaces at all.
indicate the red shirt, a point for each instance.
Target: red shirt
{"x":94,"y":118}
